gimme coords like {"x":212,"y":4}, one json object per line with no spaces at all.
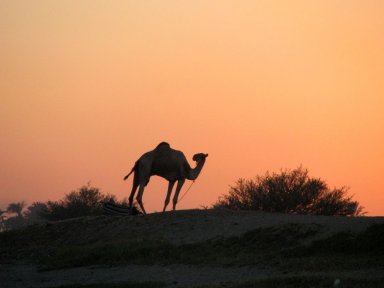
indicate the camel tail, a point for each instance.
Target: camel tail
{"x":133,"y":169}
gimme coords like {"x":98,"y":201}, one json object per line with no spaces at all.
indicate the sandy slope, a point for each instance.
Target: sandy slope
{"x":186,"y":226}
{"x":190,"y":226}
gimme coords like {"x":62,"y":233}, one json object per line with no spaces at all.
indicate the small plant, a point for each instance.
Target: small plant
{"x":290,"y":191}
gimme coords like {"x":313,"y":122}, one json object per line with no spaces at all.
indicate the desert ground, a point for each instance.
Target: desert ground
{"x":195,"y":248}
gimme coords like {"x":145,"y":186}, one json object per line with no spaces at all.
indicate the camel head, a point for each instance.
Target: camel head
{"x":199,"y":157}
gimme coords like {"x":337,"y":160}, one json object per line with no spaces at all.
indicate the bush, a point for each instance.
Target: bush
{"x":86,"y":201}
{"x":290,"y":191}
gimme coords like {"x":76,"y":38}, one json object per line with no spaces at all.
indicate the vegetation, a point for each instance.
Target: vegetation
{"x":290,"y":191}
{"x":3,"y":220}
{"x":14,"y":222}
{"x":85,"y":201}
{"x":16,"y":208}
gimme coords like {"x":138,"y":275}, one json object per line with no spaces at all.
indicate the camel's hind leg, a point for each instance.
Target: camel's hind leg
{"x":139,"y":197}
{"x":132,"y":195}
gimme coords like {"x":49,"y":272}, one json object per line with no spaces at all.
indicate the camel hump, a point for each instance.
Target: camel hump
{"x":162,"y":150}
{"x":163,"y":145}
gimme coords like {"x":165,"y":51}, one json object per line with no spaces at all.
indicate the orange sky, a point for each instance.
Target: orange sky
{"x":86,"y":87}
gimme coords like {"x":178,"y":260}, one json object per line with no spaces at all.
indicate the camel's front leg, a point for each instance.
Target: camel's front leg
{"x":139,"y":197}
{"x":180,"y":184}
{"x":170,"y":187}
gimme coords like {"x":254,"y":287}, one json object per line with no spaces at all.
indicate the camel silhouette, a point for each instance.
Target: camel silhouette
{"x":167,"y":163}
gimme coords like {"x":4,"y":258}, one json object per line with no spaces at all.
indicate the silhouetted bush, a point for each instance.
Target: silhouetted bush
{"x":86,"y":201}
{"x":290,"y":191}
{"x":3,"y":219}
{"x":16,"y":208}
{"x":13,"y":217}
{"x":34,"y":213}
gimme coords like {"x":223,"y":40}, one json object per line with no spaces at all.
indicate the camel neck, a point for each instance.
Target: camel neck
{"x":194,"y":173}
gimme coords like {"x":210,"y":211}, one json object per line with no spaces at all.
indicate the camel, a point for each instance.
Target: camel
{"x":167,"y":163}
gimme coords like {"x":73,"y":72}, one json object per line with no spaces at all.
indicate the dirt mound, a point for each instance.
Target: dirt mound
{"x":180,"y":227}
{"x":210,"y":245}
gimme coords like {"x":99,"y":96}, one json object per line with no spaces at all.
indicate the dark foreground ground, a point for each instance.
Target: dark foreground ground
{"x":196,"y":248}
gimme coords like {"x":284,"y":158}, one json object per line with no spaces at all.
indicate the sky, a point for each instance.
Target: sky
{"x":87,"y":87}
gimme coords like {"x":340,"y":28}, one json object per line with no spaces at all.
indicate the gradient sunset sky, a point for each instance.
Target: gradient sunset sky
{"x":86,"y":87}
